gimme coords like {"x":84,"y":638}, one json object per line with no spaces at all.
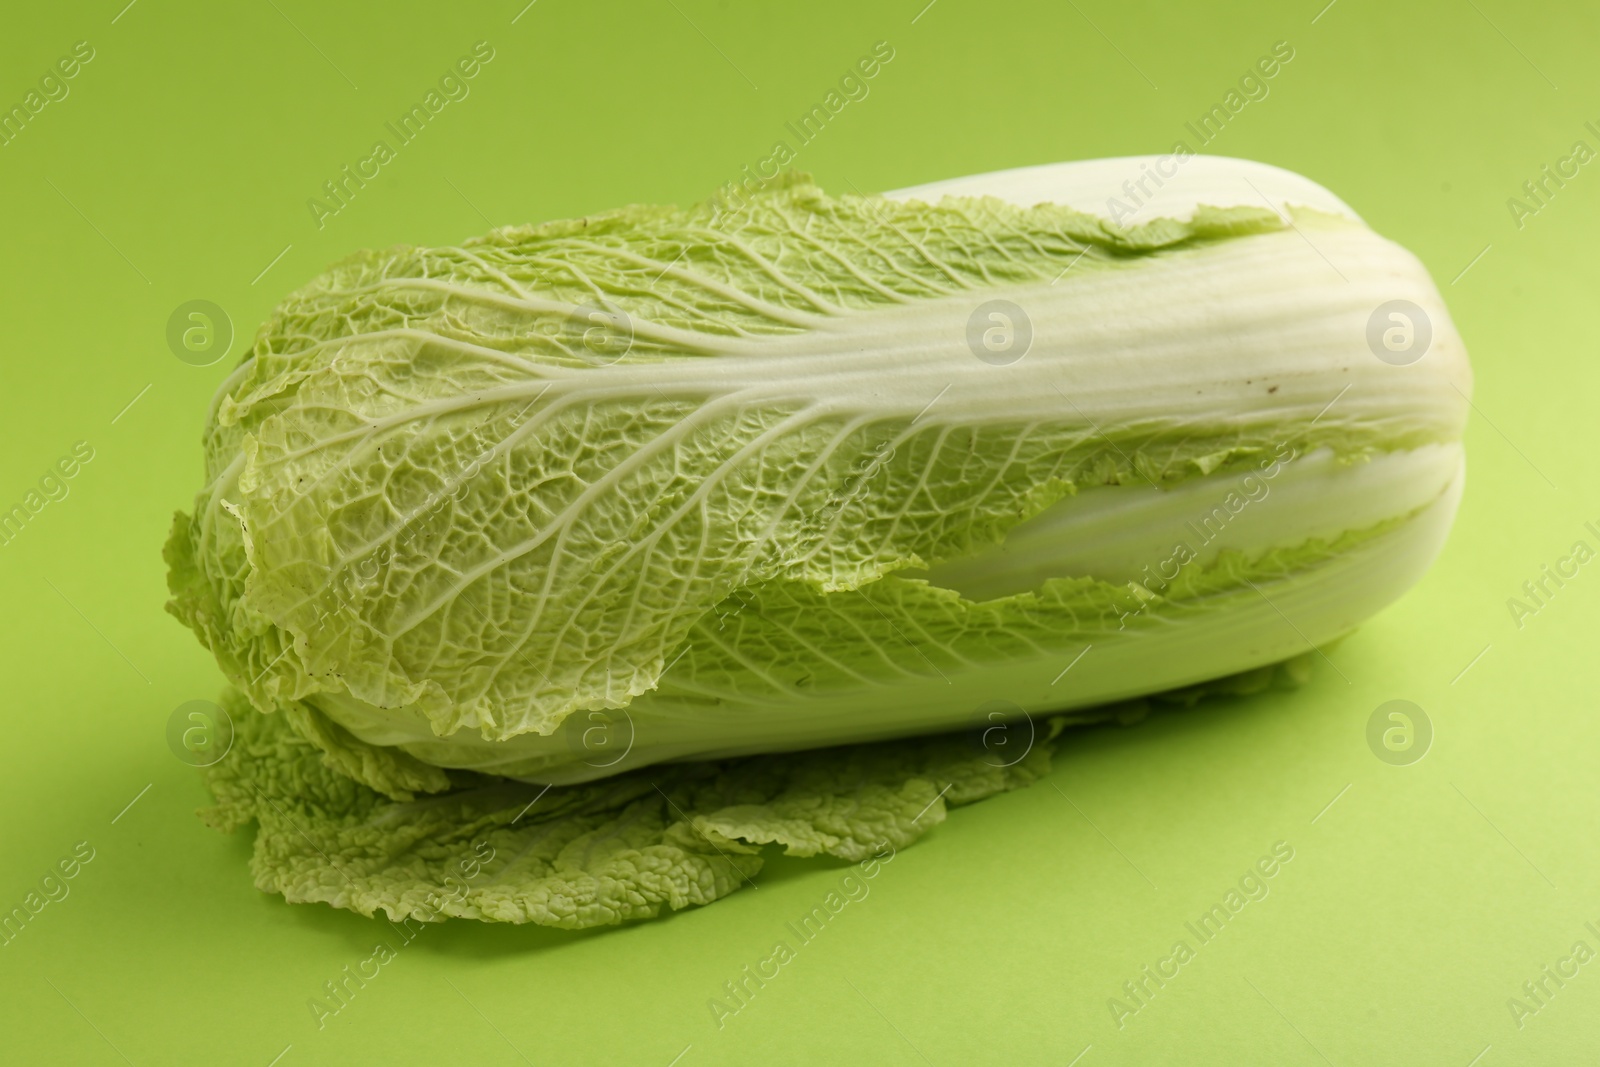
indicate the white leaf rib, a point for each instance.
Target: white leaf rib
{"x":562,"y":520}
{"x":932,"y":260}
{"x":648,"y":544}
{"x":820,"y":652}
{"x":829,"y":534}
{"x":746,"y":662}
{"x":823,"y":455}
{"x":495,"y":272}
{"x":771,"y":270}
{"x":894,"y":265}
{"x":680,"y":340}
{"x":850,"y":268}
{"x":686,"y":585}
{"x":496,"y":451}
{"x":731,"y":293}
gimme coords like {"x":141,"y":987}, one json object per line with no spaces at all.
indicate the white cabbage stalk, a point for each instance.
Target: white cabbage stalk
{"x":664,"y":485}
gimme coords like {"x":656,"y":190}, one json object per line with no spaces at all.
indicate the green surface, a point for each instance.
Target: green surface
{"x":178,"y":168}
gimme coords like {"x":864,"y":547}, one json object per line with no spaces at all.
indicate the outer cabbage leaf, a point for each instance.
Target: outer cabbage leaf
{"x":497,"y":484}
{"x":579,"y":856}
{"x":606,"y":852}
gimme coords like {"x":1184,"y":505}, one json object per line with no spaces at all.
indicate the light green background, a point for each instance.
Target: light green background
{"x":179,"y":167}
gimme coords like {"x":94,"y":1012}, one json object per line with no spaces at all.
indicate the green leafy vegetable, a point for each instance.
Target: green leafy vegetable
{"x":661,"y":485}
{"x":613,"y":850}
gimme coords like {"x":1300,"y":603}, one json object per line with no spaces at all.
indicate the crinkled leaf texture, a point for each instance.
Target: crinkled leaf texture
{"x":476,"y":490}
{"x":580,"y":856}
{"x":620,"y":849}
{"x":754,"y":480}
